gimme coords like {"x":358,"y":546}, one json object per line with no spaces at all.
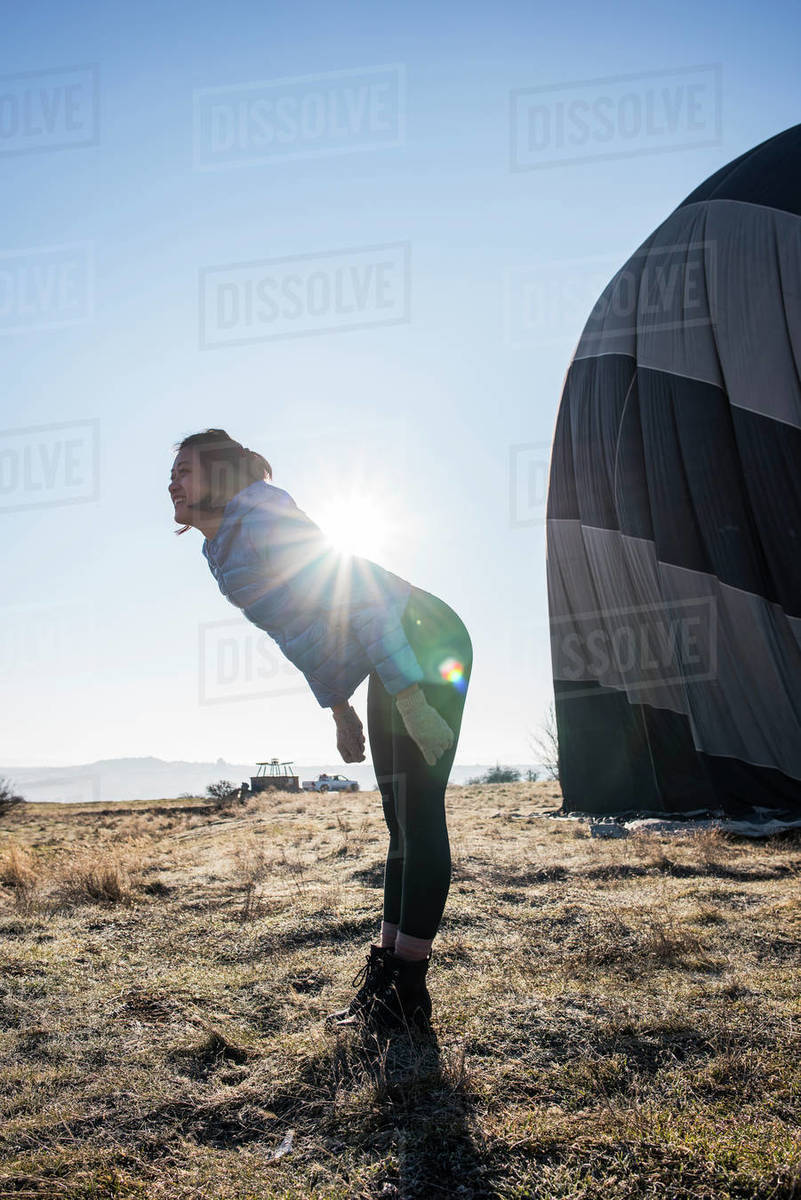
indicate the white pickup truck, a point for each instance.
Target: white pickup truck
{"x":330,"y":783}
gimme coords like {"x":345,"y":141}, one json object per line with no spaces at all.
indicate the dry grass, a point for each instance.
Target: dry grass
{"x":615,"y":1020}
{"x":17,"y":869}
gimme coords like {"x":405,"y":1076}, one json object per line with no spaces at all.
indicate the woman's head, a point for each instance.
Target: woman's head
{"x":209,"y":469}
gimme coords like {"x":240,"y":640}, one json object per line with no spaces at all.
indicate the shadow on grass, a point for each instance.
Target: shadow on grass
{"x":394,"y":1111}
{"x":316,"y":929}
{"x":372,"y":877}
{"x":425,"y":1110}
{"x":711,"y":870}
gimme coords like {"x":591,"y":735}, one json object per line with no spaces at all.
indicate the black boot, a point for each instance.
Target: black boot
{"x":402,"y":1000}
{"x":371,"y":978}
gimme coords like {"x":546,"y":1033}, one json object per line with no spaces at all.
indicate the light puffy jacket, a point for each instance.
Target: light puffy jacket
{"x":336,"y":617}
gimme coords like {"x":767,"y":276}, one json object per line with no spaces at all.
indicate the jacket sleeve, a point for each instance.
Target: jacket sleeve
{"x":323,"y":694}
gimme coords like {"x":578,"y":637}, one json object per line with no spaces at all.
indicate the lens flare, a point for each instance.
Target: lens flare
{"x":452,"y":671}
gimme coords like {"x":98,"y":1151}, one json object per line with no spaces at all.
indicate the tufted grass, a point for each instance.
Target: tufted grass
{"x":613,"y":1019}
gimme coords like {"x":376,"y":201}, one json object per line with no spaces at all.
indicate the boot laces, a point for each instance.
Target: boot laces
{"x":364,"y":974}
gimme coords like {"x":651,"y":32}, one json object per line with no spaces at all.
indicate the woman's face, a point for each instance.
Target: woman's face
{"x":187,"y":485}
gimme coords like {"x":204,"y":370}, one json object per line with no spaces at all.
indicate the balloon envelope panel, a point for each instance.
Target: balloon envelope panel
{"x":674,"y":511}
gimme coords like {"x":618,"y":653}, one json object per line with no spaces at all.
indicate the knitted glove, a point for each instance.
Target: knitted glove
{"x":425,"y":726}
{"x":350,"y":735}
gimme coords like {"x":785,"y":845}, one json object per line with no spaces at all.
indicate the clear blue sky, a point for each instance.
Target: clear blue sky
{"x":110,"y":644}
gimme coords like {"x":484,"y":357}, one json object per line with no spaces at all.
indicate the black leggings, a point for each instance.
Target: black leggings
{"x":418,"y":868}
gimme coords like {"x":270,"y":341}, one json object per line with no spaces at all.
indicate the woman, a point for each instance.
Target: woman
{"x":340,"y":620}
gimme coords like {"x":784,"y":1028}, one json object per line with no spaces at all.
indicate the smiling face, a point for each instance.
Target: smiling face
{"x":188,"y":487}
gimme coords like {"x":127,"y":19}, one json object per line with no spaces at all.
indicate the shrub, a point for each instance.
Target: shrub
{"x":546,"y":745}
{"x":222,"y":792}
{"x":8,"y":797}
{"x":497,"y":774}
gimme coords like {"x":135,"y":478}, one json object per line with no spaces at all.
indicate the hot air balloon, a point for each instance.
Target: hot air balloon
{"x":674,"y":512}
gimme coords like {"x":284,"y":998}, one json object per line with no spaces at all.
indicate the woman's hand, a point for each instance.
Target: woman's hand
{"x":431,"y":733}
{"x":350,"y":734}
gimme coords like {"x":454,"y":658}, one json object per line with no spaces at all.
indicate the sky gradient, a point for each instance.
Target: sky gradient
{"x":364,"y":239}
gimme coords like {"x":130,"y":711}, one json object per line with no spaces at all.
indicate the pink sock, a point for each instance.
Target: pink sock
{"x":413,"y":949}
{"x":389,"y":932}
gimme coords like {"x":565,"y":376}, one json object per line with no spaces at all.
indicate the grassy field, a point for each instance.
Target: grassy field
{"x":612,"y":1018}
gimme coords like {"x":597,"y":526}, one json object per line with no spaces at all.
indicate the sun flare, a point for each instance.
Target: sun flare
{"x":355,"y":524}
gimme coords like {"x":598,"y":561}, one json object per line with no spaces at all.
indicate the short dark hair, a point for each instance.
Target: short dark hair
{"x":228,"y":465}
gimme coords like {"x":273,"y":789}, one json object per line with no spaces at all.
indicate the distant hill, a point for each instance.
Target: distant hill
{"x":150,"y":778}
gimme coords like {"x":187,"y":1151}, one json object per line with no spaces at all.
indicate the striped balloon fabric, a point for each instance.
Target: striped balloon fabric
{"x":674,"y":511}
